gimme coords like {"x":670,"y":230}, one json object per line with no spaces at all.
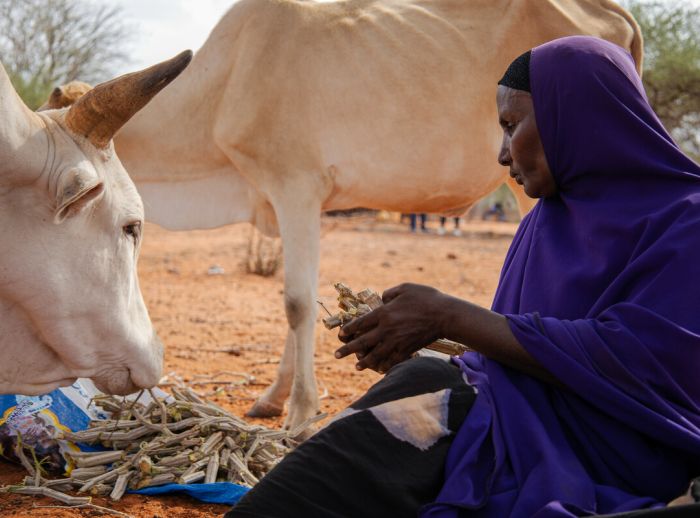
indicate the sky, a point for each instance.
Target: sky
{"x":163,"y":28}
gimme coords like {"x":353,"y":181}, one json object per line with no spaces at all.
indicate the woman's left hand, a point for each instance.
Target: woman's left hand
{"x":409,"y":320}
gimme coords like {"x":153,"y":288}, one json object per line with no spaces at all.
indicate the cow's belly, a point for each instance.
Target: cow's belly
{"x":197,"y":204}
{"x":429,"y":194}
{"x":421,"y":173}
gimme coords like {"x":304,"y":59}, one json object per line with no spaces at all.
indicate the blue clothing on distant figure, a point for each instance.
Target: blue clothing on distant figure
{"x":423,"y":218}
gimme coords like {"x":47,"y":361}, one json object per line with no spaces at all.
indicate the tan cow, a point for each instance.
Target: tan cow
{"x":292,"y":107}
{"x":70,"y":227}
{"x":65,"y":95}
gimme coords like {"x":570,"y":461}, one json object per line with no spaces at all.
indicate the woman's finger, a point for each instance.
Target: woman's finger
{"x":358,"y":326}
{"x":359,"y":345}
{"x":375,"y":357}
{"x":396,"y":357}
{"x":392,"y":293}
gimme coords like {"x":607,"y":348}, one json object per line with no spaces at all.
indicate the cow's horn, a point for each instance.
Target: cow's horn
{"x":100,"y":113}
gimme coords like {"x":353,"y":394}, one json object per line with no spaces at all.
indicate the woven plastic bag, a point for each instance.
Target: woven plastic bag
{"x":33,"y":424}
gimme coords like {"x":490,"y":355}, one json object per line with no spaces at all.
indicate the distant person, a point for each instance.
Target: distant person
{"x":455,"y":231}
{"x":496,"y":212}
{"x":423,"y":218}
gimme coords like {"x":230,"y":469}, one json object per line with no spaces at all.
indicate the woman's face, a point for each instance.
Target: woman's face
{"x":521,"y":149}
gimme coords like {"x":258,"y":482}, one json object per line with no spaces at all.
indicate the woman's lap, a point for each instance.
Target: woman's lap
{"x":383,"y":456}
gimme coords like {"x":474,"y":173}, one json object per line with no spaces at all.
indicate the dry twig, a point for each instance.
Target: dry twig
{"x":184,"y":438}
{"x":98,"y":508}
{"x":355,"y":305}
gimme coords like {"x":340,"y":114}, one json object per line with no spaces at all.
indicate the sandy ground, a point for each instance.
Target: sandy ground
{"x":235,"y":321}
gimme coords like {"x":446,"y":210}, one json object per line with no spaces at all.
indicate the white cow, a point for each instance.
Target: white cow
{"x":292,"y":108}
{"x":70,"y":232}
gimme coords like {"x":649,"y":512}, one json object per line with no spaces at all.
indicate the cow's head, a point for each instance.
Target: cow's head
{"x":65,"y":95}
{"x":70,"y":221}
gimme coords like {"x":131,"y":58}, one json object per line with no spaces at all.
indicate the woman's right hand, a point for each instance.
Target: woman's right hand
{"x":411,"y":318}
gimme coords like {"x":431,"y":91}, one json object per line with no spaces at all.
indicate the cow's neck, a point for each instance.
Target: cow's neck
{"x":171,"y":138}
{"x":167,"y":144}
{"x":29,"y":365}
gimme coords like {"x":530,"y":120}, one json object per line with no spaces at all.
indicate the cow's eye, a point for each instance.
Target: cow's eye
{"x":133,"y":230}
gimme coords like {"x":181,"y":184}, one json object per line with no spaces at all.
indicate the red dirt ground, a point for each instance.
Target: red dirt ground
{"x":235,"y":321}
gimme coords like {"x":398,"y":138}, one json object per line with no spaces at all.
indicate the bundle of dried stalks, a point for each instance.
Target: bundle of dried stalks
{"x":355,"y":305}
{"x":183,"y":439}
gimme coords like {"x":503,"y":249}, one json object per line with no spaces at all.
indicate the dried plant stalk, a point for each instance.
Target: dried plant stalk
{"x":98,"y":460}
{"x":191,"y":478}
{"x":353,"y":306}
{"x":212,"y":469}
{"x":120,"y":485}
{"x":87,"y":473}
{"x":19,"y":453}
{"x":49,"y":493}
{"x":184,"y":438}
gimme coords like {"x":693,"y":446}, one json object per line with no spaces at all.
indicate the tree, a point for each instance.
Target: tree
{"x":671,"y":75}
{"x":44,"y":43}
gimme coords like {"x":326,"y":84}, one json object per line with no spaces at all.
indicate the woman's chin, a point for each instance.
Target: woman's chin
{"x":531,"y":193}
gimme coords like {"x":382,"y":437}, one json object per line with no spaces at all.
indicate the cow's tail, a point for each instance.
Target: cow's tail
{"x":637,"y":44}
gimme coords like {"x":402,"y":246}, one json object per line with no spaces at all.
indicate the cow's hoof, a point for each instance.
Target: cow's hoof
{"x":264,"y":409}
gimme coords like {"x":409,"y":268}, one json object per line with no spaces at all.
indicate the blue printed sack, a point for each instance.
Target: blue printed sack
{"x":34,"y":423}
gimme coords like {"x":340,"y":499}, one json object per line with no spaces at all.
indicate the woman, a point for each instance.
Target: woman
{"x":582,"y":395}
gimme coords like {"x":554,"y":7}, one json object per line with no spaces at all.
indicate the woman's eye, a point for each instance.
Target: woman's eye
{"x":133,"y":230}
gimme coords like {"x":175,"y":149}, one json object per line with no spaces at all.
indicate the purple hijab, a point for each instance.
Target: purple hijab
{"x":602,"y":287}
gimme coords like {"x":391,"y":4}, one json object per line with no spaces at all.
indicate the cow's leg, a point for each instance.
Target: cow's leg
{"x":271,"y":403}
{"x":299,"y":219}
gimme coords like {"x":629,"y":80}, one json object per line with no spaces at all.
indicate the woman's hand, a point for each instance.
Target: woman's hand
{"x":411,"y":318}
{"x":414,"y":316}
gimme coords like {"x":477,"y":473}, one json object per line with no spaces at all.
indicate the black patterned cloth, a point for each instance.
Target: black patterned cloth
{"x":517,"y":75}
{"x":382,"y":457}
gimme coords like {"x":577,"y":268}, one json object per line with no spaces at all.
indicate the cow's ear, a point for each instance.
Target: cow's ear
{"x":23,"y":142}
{"x":78,"y":188}
{"x":54,"y":101}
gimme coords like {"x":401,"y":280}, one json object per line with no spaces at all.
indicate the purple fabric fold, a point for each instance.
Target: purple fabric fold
{"x":601,"y":285}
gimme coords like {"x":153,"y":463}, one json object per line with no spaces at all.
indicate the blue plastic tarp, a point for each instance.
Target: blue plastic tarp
{"x":216,"y":493}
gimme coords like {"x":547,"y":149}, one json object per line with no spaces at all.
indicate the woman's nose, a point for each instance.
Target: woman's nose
{"x":504,"y":155}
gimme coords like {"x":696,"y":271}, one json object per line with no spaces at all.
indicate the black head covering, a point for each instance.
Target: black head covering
{"x":518,"y":74}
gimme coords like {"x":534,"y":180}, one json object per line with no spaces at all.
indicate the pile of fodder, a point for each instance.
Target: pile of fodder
{"x":178,"y":439}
